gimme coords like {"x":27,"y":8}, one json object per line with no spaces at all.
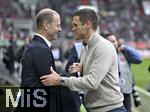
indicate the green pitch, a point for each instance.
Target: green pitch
{"x":142,"y":77}
{"x":141,"y":74}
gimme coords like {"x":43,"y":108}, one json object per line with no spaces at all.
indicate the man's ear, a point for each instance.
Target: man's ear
{"x":46,"y":25}
{"x":88,"y":24}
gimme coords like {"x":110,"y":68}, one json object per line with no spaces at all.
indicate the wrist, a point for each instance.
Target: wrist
{"x":62,"y":80}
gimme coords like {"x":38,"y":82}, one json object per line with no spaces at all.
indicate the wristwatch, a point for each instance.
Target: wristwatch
{"x":62,"y":81}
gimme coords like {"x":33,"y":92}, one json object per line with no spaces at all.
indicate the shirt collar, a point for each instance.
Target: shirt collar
{"x":45,"y":39}
{"x":92,"y":36}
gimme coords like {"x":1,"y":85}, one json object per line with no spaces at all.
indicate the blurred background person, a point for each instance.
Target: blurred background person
{"x":127,"y":55}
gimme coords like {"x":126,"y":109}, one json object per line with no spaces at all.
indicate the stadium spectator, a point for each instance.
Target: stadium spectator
{"x":126,"y":56}
{"x":9,"y":56}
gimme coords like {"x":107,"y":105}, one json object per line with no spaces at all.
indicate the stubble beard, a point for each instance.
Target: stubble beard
{"x":78,"y":37}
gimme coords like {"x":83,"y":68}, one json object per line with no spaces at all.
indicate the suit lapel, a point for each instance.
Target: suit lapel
{"x":53,"y":60}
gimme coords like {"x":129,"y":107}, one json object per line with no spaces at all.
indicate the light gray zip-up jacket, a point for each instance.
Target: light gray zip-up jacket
{"x":100,"y":76}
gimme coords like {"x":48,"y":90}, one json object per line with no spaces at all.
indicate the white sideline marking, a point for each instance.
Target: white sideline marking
{"x":143,"y":91}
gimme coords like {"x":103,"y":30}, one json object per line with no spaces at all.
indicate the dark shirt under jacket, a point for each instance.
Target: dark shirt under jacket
{"x":73,"y":58}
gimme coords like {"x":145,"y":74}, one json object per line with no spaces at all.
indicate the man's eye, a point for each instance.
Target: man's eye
{"x":75,"y":25}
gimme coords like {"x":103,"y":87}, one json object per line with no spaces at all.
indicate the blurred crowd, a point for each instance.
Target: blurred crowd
{"x":125,"y":18}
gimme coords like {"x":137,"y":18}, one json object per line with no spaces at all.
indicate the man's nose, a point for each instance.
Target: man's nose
{"x":60,"y":29}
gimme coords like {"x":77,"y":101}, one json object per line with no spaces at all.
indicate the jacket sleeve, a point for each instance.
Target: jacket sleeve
{"x":132,"y":55}
{"x":99,"y":67}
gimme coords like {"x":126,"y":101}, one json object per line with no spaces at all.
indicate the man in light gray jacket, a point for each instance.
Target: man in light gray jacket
{"x":98,"y":67}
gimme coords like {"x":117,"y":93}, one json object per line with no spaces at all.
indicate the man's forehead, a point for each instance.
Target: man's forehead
{"x":56,"y":18}
{"x":76,"y":19}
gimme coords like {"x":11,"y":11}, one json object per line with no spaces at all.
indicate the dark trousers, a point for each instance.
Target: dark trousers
{"x":127,"y":102}
{"x":119,"y":109}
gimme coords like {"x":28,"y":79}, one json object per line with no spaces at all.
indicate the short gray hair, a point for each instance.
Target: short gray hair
{"x":44,"y":15}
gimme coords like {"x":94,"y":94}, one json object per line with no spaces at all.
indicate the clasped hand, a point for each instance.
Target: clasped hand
{"x":54,"y":78}
{"x":51,"y":79}
{"x":76,"y":67}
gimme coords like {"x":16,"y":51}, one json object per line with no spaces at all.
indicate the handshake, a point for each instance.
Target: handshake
{"x":54,"y":78}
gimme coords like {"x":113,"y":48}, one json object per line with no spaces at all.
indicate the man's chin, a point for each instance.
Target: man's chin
{"x":55,"y":37}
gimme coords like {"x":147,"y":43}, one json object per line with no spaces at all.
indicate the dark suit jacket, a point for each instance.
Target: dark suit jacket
{"x":36,"y":62}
